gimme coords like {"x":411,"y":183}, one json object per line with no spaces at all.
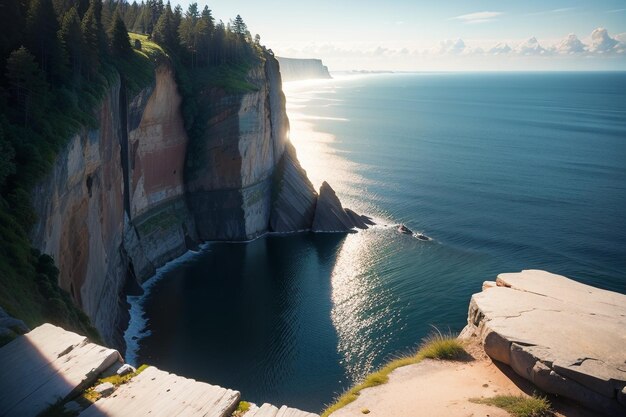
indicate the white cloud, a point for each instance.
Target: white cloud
{"x":531,"y":47}
{"x":571,"y":45}
{"x":602,"y":43}
{"x":452,"y":47}
{"x":478,"y":17}
{"x":500,"y":49}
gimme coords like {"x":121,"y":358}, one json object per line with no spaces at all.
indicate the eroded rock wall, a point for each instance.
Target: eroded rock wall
{"x":157,"y":149}
{"x":231,"y":193}
{"x":81,"y":217}
{"x":121,"y":200}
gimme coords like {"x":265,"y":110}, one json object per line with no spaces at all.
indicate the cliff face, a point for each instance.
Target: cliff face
{"x":120,"y":201}
{"x":116,"y":205}
{"x":231,"y":194}
{"x":80,"y":208}
{"x":294,"y":69}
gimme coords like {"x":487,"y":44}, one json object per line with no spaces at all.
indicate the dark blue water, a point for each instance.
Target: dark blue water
{"x":504,"y":171}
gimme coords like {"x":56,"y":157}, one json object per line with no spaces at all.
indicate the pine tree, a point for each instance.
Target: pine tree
{"x":41,"y":37}
{"x":27,"y":83}
{"x":187,"y":31}
{"x":89,"y":29}
{"x":239,"y":27}
{"x":131,"y":15}
{"x":72,"y":40}
{"x":12,"y":19}
{"x":118,"y":35}
{"x":165,"y":32}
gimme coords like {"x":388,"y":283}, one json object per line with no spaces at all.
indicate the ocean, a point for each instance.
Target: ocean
{"x":504,"y":171}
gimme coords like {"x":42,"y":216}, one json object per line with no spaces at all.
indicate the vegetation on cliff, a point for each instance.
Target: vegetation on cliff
{"x":58,"y":59}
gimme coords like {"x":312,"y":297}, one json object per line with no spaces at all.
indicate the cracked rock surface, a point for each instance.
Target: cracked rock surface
{"x":566,"y":337}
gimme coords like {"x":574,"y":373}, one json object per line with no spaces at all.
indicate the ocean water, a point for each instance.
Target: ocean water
{"x":504,"y":171}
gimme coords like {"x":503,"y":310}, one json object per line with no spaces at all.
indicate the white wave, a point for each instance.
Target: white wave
{"x":138,"y":323}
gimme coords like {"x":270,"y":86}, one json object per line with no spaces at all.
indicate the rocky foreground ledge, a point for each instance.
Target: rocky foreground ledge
{"x":565,"y":337}
{"x":52,"y":369}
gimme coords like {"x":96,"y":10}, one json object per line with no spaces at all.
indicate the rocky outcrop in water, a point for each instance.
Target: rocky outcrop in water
{"x":330,"y":216}
{"x":566,"y":337}
{"x":294,"y":69}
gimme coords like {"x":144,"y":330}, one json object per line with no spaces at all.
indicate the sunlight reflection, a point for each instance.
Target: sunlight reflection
{"x":362,"y":304}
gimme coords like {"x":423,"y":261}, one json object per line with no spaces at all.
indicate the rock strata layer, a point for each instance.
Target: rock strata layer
{"x":567,"y":338}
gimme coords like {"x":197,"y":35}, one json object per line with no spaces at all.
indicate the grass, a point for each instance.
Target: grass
{"x":435,"y":346}
{"x":519,"y":405}
{"x":242,"y":408}
{"x":117,"y":380}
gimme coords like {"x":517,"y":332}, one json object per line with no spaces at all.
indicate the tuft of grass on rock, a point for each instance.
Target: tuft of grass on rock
{"x":117,"y":380}
{"x":242,"y":408}
{"x":519,"y":405}
{"x":435,"y":346}
{"x":441,"y":346}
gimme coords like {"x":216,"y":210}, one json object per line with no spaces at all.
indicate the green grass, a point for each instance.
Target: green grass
{"x":436,"y":346}
{"x":138,"y":69}
{"x":242,"y":408}
{"x":230,"y":77}
{"x":519,"y":406}
{"x":92,"y":396}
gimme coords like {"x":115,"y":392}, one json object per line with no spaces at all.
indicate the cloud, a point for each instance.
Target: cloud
{"x":602,"y":43}
{"x":531,"y":47}
{"x":571,"y":45}
{"x":452,"y":47}
{"x":500,"y":49}
{"x":478,"y":17}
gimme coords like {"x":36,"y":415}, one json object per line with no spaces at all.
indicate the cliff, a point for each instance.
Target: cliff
{"x":121,"y":198}
{"x":294,"y":69}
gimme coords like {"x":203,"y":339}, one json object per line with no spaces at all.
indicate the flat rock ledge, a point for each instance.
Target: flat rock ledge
{"x":49,"y":364}
{"x":567,"y":338}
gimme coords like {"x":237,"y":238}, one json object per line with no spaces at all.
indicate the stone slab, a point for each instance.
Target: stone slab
{"x":158,"y":393}
{"x":568,"y":338}
{"x":45,"y":365}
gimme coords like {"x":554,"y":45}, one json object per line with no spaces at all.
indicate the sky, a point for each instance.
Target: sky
{"x":415,"y":35}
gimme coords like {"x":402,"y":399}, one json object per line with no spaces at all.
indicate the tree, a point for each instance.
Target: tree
{"x":187,"y":31}
{"x":12,"y":19}
{"x":71,"y":38}
{"x":89,"y":28}
{"x":239,"y":27}
{"x":131,"y":15}
{"x":165,"y":32}
{"x":7,"y":153}
{"x":118,"y":35}
{"x":41,"y":38}
{"x":27,"y":83}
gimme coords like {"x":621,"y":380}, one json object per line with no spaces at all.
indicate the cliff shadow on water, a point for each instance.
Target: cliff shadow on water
{"x":254,"y":316}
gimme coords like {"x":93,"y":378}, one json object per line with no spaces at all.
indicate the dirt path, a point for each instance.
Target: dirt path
{"x":435,"y":388}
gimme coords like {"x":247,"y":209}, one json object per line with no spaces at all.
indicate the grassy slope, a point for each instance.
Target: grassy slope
{"x":437,"y":346}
